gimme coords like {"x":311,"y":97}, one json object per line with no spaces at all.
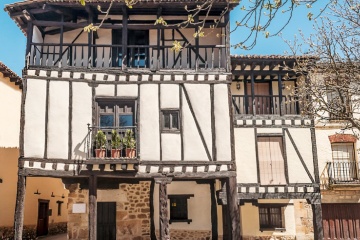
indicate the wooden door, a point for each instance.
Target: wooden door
{"x":43,"y":218}
{"x":341,"y":221}
{"x":106,"y":220}
{"x":261,"y":103}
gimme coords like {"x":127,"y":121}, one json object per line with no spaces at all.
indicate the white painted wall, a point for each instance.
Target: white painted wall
{"x":58,"y":120}
{"x":199,"y":206}
{"x":10,"y":103}
{"x":35,"y":105}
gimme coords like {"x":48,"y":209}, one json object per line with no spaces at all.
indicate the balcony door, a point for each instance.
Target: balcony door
{"x":137,"y":48}
{"x":262,"y":102}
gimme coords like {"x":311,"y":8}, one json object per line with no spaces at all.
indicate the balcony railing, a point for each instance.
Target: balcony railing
{"x":265,"y":105}
{"x":343,"y":172}
{"x":108,"y":151}
{"x":209,"y":57}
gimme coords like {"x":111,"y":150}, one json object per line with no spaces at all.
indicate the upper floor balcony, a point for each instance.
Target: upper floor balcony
{"x":125,"y":38}
{"x":342,"y":173}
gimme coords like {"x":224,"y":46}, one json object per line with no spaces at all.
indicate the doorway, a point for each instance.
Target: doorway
{"x":43,"y":218}
{"x":106,"y":220}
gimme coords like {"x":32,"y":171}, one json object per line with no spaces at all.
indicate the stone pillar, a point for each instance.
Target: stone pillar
{"x":163,"y":208}
{"x":233,"y":207}
{"x":92,"y":207}
{"x":317,"y":220}
{"x":19,"y":208}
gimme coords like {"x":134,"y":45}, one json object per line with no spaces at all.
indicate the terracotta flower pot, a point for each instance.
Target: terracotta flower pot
{"x":100,"y":153}
{"x":115,"y":153}
{"x":130,"y":152}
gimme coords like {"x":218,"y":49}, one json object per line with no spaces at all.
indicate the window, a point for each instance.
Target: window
{"x":179,"y":208}
{"x":344,"y":165}
{"x":59,"y":203}
{"x":270,"y":217}
{"x":116,"y":113}
{"x":338,"y":109}
{"x":271,"y":160}
{"x":170,"y":120}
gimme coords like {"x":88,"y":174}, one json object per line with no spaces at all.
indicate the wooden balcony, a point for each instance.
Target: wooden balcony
{"x":136,"y":57}
{"x":265,"y":105}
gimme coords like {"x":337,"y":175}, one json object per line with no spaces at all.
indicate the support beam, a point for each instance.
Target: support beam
{"x":92,"y":207}
{"x":163,"y":208}
{"x":214,"y":217}
{"x":317,"y":220}
{"x":124,"y":37}
{"x":280,"y":95}
{"x":19,"y":207}
{"x":233,"y":207}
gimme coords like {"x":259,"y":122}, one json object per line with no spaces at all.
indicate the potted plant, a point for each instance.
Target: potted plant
{"x":100,"y":142}
{"x":129,"y":143}
{"x":116,"y":144}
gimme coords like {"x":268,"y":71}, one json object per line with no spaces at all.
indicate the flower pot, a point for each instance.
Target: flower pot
{"x":100,"y":153}
{"x":130,"y":152}
{"x":115,"y":153}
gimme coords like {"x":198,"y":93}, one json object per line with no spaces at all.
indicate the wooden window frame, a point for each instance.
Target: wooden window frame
{"x":184,"y":197}
{"x":162,"y":120}
{"x":116,"y":113}
{"x":281,"y":135}
{"x":59,"y":203}
{"x":272,"y":226}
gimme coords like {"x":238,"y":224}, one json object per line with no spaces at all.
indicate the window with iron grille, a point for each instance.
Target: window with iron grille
{"x":270,"y":217}
{"x":170,"y":120}
{"x":179,"y":208}
{"x":344,"y":166}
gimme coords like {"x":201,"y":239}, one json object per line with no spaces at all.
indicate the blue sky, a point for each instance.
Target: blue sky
{"x":12,"y":40}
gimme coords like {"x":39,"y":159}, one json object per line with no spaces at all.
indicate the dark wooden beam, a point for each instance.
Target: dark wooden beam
{"x":124,"y":37}
{"x":227,"y":40}
{"x":214,"y":217}
{"x":233,"y":207}
{"x":317,"y":220}
{"x":19,"y":208}
{"x":163,"y":208}
{"x":92,"y":207}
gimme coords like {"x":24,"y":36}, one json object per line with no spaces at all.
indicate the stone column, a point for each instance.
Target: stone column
{"x":163,"y":208}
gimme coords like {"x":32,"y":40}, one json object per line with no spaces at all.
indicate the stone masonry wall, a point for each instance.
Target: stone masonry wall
{"x":132,"y":211}
{"x":133,"y":214}
{"x":269,"y":238}
{"x":303,"y":220}
{"x":177,"y":234}
{"x":345,"y":195}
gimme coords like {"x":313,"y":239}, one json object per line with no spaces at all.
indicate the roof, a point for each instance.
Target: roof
{"x":272,"y":57}
{"x":7,"y":72}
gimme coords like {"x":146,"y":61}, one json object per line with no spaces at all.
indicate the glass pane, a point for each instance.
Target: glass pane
{"x":125,"y":120}
{"x":175,"y":120}
{"x":106,"y":120}
{"x":167,"y":120}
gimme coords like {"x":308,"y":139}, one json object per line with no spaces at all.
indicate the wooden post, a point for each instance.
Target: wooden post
{"x":19,"y":207}
{"x":92,"y":207}
{"x":61,"y":41}
{"x":214,"y":217}
{"x":253,"y":101}
{"x":124,"y":38}
{"x":317,"y":220}
{"x":196,"y":18}
{"x":158,"y":40}
{"x":30,"y":29}
{"x":90,"y":34}
{"x":227,"y":41}
{"x":163,"y":208}
{"x":233,"y":207}
{"x":280,"y":95}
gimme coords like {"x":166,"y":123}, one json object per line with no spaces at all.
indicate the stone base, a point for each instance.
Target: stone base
{"x":182,"y":234}
{"x":269,"y":237}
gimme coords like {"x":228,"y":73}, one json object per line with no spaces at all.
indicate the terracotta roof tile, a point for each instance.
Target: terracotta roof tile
{"x":7,"y":72}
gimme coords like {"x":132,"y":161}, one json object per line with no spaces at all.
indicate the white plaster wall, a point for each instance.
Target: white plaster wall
{"x":107,"y":90}
{"x":171,"y":146}
{"x":199,"y":97}
{"x":81,"y":116}
{"x":10,"y":103}
{"x":127,"y":90}
{"x":222,"y":122}
{"x":302,"y":139}
{"x":169,"y":96}
{"x":34,"y":132}
{"x":199,"y":206}
{"x":149,"y":122}
{"x":58,"y":120}
{"x":250,"y":223}
{"x":193,"y":146}
{"x":245,"y":155}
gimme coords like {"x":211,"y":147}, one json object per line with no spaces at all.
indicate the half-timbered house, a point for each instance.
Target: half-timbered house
{"x":275,"y":149}
{"x":83,"y":91}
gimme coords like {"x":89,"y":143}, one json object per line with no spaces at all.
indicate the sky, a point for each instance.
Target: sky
{"x":12,"y":40}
